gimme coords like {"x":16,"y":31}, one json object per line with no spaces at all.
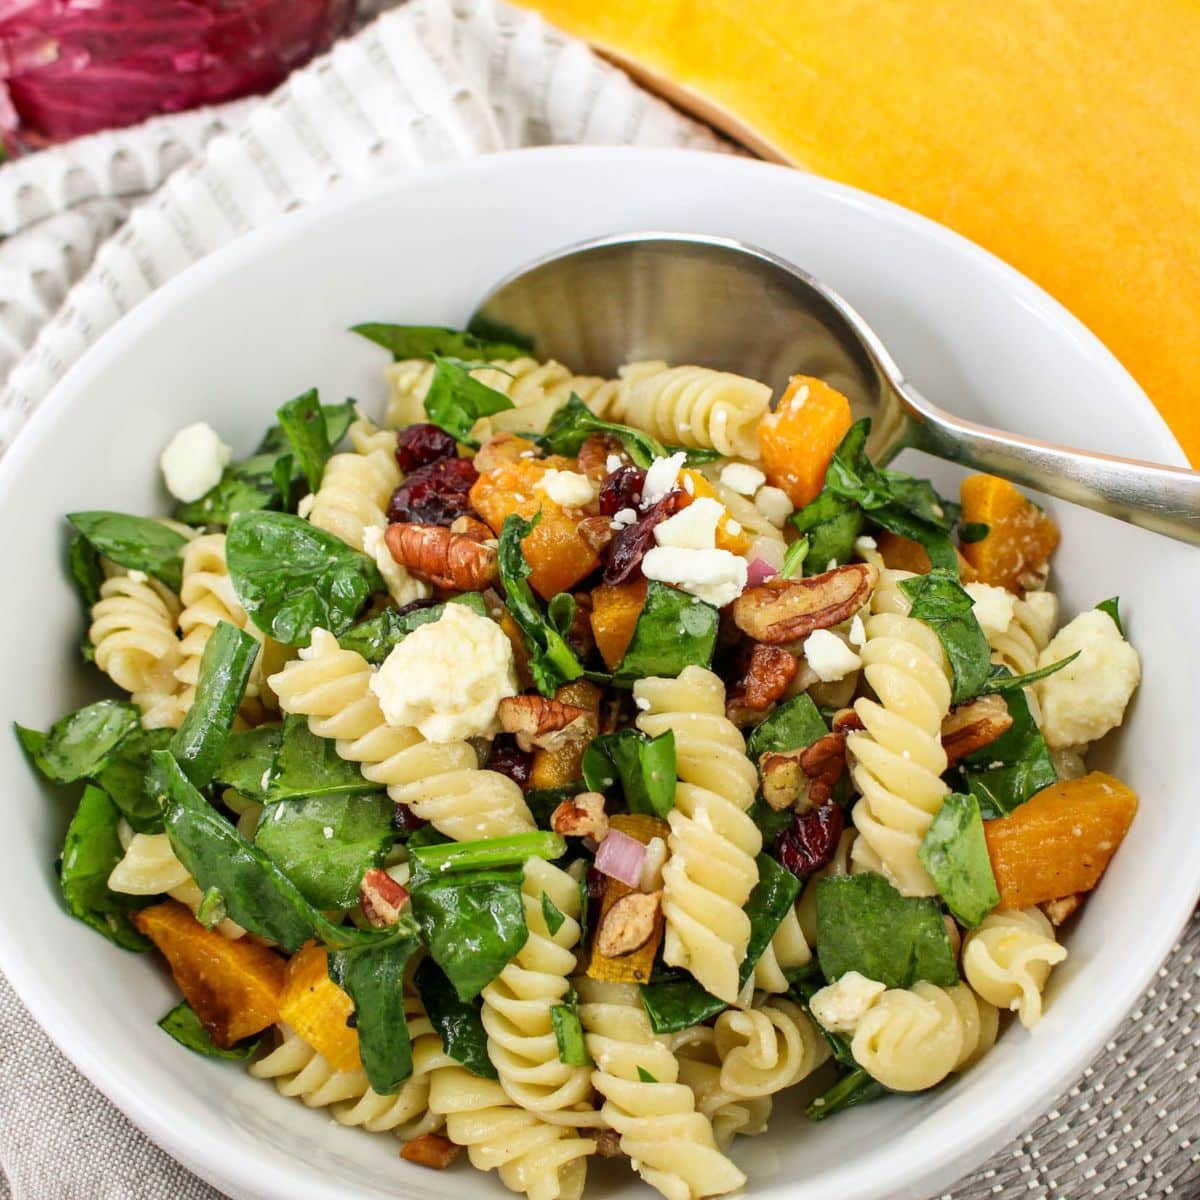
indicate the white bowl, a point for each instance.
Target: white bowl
{"x":264,"y":319}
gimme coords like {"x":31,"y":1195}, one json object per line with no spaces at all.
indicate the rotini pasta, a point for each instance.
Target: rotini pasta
{"x":1008,"y":958}
{"x":1035,"y":618}
{"x":786,"y":951}
{"x":710,"y":871}
{"x":439,"y":782}
{"x":357,"y":485}
{"x":670,"y":1143}
{"x":767,"y":1048}
{"x":700,"y":1069}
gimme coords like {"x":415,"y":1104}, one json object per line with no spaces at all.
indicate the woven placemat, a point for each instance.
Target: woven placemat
{"x":92,"y":229}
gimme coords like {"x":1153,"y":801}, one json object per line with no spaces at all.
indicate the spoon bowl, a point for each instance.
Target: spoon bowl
{"x":718,"y":302}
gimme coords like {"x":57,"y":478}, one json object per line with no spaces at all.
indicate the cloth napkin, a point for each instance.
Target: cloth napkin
{"x":93,"y":228}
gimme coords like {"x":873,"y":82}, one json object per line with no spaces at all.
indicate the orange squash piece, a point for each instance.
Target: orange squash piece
{"x":1060,"y":841}
{"x":318,"y":1010}
{"x":730,"y":535}
{"x":903,"y":554}
{"x":798,"y":439}
{"x":557,"y":768}
{"x":1020,"y":537}
{"x":558,"y":557}
{"x":233,"y":986}
{"x":615,"y":611}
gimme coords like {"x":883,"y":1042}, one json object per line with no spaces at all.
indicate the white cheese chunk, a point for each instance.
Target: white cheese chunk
{"x":830,"y":658}
{"x":840,"y":1006}
{"x":448,"y":677}
{"x":193,"y":460}
{"x":858,"y":634}
{"x":742,"y":478}
{"x":661,"y":477}
{"x":402,"y":587}
{"x":623,"y":517}
{"x":993,"y":607}
{"x":613,"y":463}
{"x":774,"y":504}
{"x":567,"y":488}
{"x":692,"y":528}
{"x":716,"y":576}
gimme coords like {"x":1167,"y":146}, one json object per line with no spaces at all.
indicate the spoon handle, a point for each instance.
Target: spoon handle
{"x":1160,"y":498}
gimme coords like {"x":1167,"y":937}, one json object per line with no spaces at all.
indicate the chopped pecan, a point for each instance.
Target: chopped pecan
{"x":629,"y":924}
{"x":504,"y":448}
{"x":769,"y":673}
{"x":608,"y":1143}
{"x":969,"y":727}
{"x":784,"y":610}
{"x":581,"y":816}
{"x":846,"y":720}
{"x":430,"y":1150}
{"x":471,"y":527}
{"x":806,"y":778}
{"x":1057,"y":911}
{"x":445,"y":559}
{"x":783,"y":781}
{"x":595,"y":452}
{"x":597,"y":532}
{"x":381,"y":897}
{"x":823,"y":762}
{"x":544,"y":723}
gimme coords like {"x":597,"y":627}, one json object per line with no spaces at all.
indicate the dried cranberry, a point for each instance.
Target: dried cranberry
{"x":436,"y":494}
{"x":630,"y":545}
{"x":420,"y":445}
{"x":596,"y":883}
{"x":622,"y":489}
{"x":404,"y":820}
{"x":809,"y":842}
{"x":509,"y":759}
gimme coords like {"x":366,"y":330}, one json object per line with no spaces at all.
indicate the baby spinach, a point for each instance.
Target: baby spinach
{"x":543,"y":801}
{"x":123,"y":777}
{"x":431,"y":341}
{"x":830,"y":524}
{"x":679,"y":1004}
{"x":303,"y":422}
{"x":248,"y":764}
{"x":78,"y":745}
{"x":771,"y":823}
{"x":568,"y":1033}
{"x":373,"y":977}
{"x":970,"y":532}
{"x":457,"y":1022}
{"x":325,"y":844}
{"x":136,"y":543}
{"x":308,"y":765}
{"x":794,"y":725}
{"x":644,"y":1076}
{"x":865,"y":925}
{"x":552,"y":915}
{"x":855,"y":1087}
{"x":673,"y":631}
{"x":509,"y":851}
{"x":83,"y":562}
{"x":940,"y":601}
{"x":551,"y":660}
{"x":643,"y":766}
{"x":954,"y":852}
{"x":291,"y":576}
{"x":211,"y":910}
{"x":376,"y":637}
{"x":456,"y":399}
{"x":225,"y":666}
{"x":90,"y":852}
{"x":186,"y":1028}
{"x":1008,"y":683}
{"x":1015,"y":766}
{"x":1112,"y":606}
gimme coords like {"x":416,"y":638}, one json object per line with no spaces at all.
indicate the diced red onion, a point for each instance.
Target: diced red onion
{"x":759,"y":571}
{"x":620,"y":857}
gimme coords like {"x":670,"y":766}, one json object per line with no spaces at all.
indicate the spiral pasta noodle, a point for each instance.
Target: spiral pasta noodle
{"x":700,"y":1068}
{"x":517,"y":1003}
{"x":897,"y":760}
{"x":357,"y":485}
{"x":440,"y":782}
{"x":670,"y":1143}
{"x":711,"y":868}
{"x":1008,"y":958}
{"x":767,"y":1048}
{"x":1028,"y":634}
{"x":786,"y":951}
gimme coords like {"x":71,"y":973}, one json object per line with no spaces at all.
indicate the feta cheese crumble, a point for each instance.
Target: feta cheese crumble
{"x":193,"y":460}
{"x":840,"y":1006}
{"x":623,"y":517}
{"x":692,"y":528}
{"x":774,"y":504}
{"x":448,"y":677}
{"x":858,"y":634}
{"x":661,"y":477}
{"x":686,"y":555}
{"x":742,"y":478}
{"x":613,"y":463}
{"x":993,"y":607}
{"x":830,"y":658}
{"x":567,"y":488}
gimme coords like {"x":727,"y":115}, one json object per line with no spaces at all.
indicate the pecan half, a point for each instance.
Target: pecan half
{"x":969,"y":727}
{"x":784,"y":610}
{"x":471,"y":527}
{"x":846,"y":720}
{"x":597,"y":532}
{"x":803,"y":779}
{"x":381,"y":897}
{"x":430,"y":1150}
{"x":504,"y":448}
{"x":581,"y":816}
{"x":629,"y":924}
{"x":823,"y":762}
{"x":769,"y":673}
{"x":544,"y":723}
{"x":595,"y":452}
{"x":1057,"y":911}
{"x":445,"y":559}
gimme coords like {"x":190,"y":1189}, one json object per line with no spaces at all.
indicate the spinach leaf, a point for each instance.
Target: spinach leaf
{"x":673,"y":631}
{"x":136,"y":543}
{"x":552,"y":915}
{"x":1015,"y":766}
{"x":568,"y":1033}
{"x":938,"y":599}
{"x":31,"y":742}
{"x":830,"y":524}
{"x":551,"y":660}
{"x":509,"y":851}
{"x":123,"y":777}
{"x":225,"y":666}
{"x":456,"y":399}
{"x":954,"y":852}
{"x":865,"y":925}
{"x":970,"y":532}
{"x":186,"y":1028}
{"x":291,"y":576}
{"x":794,"y":558}
{"x":211,"y":910}
{"x":543,"y":801}
{"x":249,"y":762}
{"x":457,"y":1022}
{"x":83,"y":562}
{"x":304,"y":423}
{"x":1008,"y":683}
{"x":373,"y":977}
{"x":78,"y":745}
{"x":308,"y":765}
{"x":90,"y":852}
{"x":1112,"y":606}
{"x":643,"y":766}
{"x":855,"y":1087}
{"x":644,"y":1076}
{"x":473,"y":923}
{"x":431,"y":341}
{"x":376,"y":637}
{"x":678,"y":1004}
{"x":325,"y":844}
{"x":770,"y":822}
{"x":794,"y":725}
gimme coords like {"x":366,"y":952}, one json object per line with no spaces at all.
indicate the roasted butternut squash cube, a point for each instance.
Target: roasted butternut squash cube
{"x":1020,"y":537}
{"x":318,"y":1010}
{"x":557,"y":768}
{"x":615,"y":611}
{"x":798,"y":439}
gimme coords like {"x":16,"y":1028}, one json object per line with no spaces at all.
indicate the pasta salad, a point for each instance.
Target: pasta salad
{"x":569,"y":765}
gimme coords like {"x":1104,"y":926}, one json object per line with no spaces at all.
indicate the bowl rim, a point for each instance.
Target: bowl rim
{"x":960,"y":1143}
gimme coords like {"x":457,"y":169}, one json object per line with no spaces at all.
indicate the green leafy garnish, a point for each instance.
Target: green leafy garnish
{"x":1112,"y":606}
{"x":212,"y":909}
{"x":457,"y":1022}
{"x":83,"y":562}
{"x":574,"y":423}
{"x":940,"y":601}
{"x":291,"y":576}
{"x":855,"y":1087}
{"x":308,"y":765}
{"x":643,"y":767}
{"x":432,"y":341}
{"x":376,"y":637}
{"x":187,"y":1029}
{"x":456,"y":399}
{"x":123,"y":777}
{"x":830,"y":524}
{"x":135,"y":543}
{"x":552,"y":915}
{"x":794,"y":725}
{"x":509,"y":851}
{"x":954,"y":852}
{"x":644,"y":1076}
{"x":865,"y":925}
{"x":304,"y":423}
{"x":673,"y":631}
{"x":78,"y":745}
{"x":970,"y":532}
{"x":568,"y":1033}
{"x":249,"y":762}
{"x":1008,"y":683}
{"x":793,"y":560}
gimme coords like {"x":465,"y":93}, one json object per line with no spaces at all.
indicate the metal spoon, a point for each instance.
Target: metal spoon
{"x":719,"y":303}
